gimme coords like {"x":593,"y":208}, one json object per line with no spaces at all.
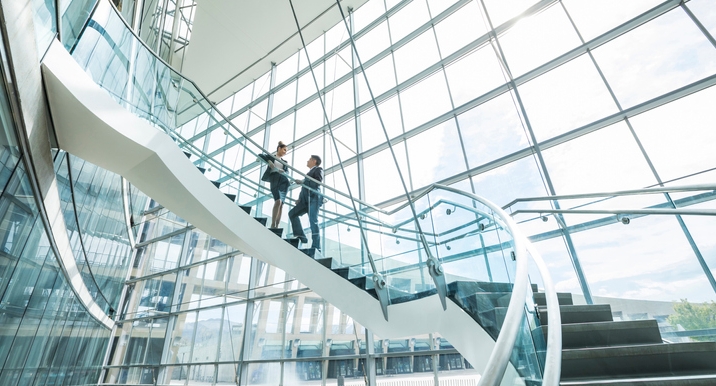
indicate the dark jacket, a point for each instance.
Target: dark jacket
{"x":317,"y":174}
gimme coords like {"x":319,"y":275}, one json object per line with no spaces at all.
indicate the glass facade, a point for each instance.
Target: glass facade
{"x":508,"y":100}
{"x":47,"y":336}
{"x":502,"y":99}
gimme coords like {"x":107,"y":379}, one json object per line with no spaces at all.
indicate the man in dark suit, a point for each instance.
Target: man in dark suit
{"x":308,"y":202}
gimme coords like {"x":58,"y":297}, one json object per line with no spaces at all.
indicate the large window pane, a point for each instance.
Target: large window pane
{"x":537,"y":39}
{"x":675,"y":135}
{"x":416,"y":56}
{"x":460,"y":28}
{"x":492,"y":130}
{"x":435,"y":154}
{"x":660,"y":56}
{"x":425,"y":101}
{"x":565,"y":98}
{"x":595,"y":17}
{"x":603,"y":161}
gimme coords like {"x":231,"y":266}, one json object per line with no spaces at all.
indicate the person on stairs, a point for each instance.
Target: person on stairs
{"x":278,"y":181}
{"x":309,"y":200}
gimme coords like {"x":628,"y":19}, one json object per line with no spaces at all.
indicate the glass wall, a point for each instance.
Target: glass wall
{"x":201,"y":312}
{"x":46,"y":336}
{"x":508,"y":100}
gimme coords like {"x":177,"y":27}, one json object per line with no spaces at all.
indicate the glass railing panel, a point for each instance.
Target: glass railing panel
{"x":476,"y":249}
{"x":45,"y":22}
{"x":74,"y":16}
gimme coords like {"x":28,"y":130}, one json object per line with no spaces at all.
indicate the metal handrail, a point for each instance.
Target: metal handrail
{"x":496,"y":365}
{"x":655,"y":211}
{"x":632,"y":192}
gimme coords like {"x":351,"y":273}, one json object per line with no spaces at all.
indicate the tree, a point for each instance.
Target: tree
{"x":695,"y":316}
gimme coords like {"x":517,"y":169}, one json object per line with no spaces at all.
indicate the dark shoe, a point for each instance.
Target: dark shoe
{"x":302,"y":239}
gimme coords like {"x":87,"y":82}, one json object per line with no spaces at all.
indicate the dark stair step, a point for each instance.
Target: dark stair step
{"x":246,"y":209}
{"x":392,"y":292}
{"x":277,"y":231}
{"x":579,"y":314}
{"x":652,"y":360}
{"x":312,"y":253}
{"x":293,"y":242}
{"x":564,"y":298}
{"x":216,"y":183}
{"x":472,"y":287}
{"x":474,"y":303}
{"x":326,"y":262}
{"x":414,"y":296}
{"x":231,"y":197}
{"x":187,"y":154}
{"x":534,"y":287}
{"x":342,"y":272}
{"x":262,"y":220}
{"x":202,"y":170}
{"x":695,"y":380}
{"x":602,"y":334}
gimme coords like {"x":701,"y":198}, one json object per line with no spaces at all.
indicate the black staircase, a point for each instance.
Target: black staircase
{"x":598,"y":351}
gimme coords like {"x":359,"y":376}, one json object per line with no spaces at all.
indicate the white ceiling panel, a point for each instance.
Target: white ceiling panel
{"x":234,"y":42}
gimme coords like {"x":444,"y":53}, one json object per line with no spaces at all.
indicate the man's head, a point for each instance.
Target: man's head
{"x":313,"y":161}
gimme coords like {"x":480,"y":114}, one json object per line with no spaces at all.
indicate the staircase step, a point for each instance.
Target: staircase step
{"x":293,"y":242}
{"x":262,"y":220}
{"x":413,"y":296}
{"x":534,"y":287}
{"x":652,"y":360}
{"x":246,"y":209}
{"x":326,"y":262}
{"x":312,"y":253}
{"x":202,"y":170}
{"x":471,"y":287}
{"x":342,"y":272}
{"x":277,"y":231}
{"x":564,"y":298}
{"x":187,"y":154}
{"x":695,"y":380}
{"x":216,"y":183}
{"x":483,"y":301}
{"x":579,"y":314}
{"x":231,"y":197}
{"x":362,"y":283}
{"x":602,"y":334}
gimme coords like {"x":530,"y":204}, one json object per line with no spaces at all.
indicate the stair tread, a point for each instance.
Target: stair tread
{"x":600,"y":334}
{"x":583,"y":313}
{"x":326,"y":262}
{"x":469,"y":287}
{"x":689,"y":380}
{"x":652,"y":349}
{"x":648,"y":360}
{"x":564,"y":298}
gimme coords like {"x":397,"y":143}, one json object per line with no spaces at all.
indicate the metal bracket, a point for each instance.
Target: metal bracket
{"x":436,"y":272}
{"x":382,"y":291}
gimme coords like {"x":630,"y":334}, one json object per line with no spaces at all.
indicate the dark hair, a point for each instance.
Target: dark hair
{"x":280,"y":145}
{"x":317,"y":158}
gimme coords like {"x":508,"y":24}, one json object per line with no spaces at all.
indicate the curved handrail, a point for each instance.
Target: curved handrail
{"x":497,"y":364}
